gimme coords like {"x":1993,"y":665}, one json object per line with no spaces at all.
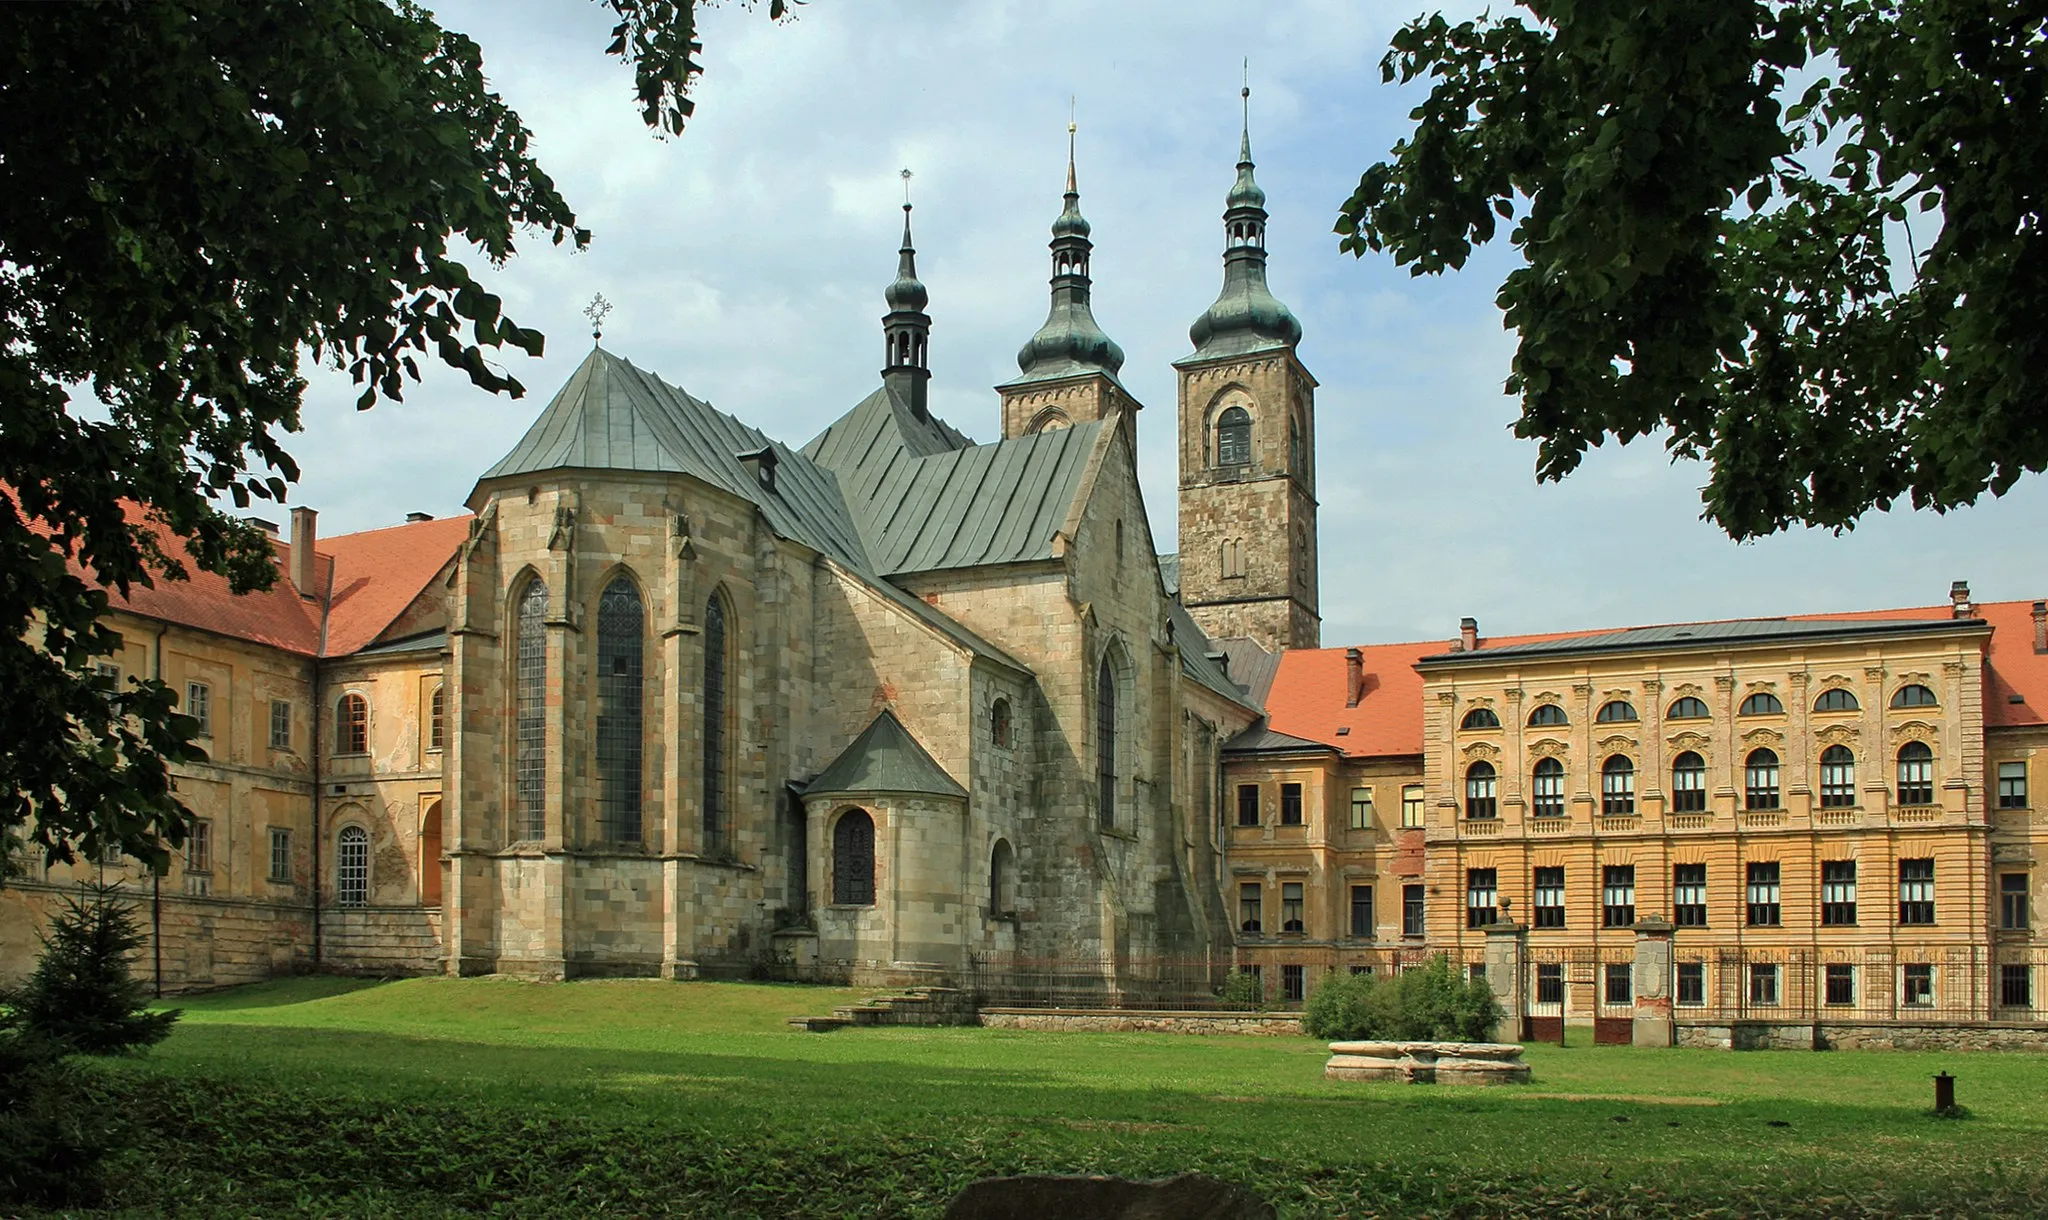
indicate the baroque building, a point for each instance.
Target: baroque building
{"x":675,"y":698}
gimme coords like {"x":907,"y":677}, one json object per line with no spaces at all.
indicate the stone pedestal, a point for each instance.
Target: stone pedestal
{"x":1428,"y":1062}
{"x":1653,"y":1023}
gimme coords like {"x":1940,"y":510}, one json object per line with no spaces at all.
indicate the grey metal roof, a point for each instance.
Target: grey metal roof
{"x":1195,"y":648}
{"x":1696,"y":635}
{"x":927,"y":500}
{"x":430,"y":641}
{"x":886,"y":758}
{"x":1169,"y":572}
{"x":1251,"y":666}
{"x":611,"y":415}
{"x":1259,"y":739}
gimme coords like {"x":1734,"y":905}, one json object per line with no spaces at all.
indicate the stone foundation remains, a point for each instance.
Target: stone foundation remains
{"x":1428,"y":1062}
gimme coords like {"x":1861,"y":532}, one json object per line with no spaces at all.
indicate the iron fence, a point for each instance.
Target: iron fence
{"x":1286,"y":975}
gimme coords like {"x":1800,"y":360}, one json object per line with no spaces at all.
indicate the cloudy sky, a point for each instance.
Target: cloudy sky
{"x":746,"y":262}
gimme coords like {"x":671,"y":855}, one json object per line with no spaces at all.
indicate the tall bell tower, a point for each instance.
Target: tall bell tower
{"x":1247,"y":447}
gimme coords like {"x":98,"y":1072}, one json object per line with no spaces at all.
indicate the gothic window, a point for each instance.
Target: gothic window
{"x":1762,"y":703}
{"x":352,"y":725}
{"x":1547,"y":789}
{"x":1480,"y":718}
{"x":1618,"y":785}
{"x":1836,"y":700}
{"x":853,"y":859}
{"x":1837,"y":777}
{"x":1105,"y":743}
{"x":1549,"y":714}
{"x":1294,"y":464}
{"x":1915,"y":695}
{"x":715,"y":749}
{"x":999,"y":724}
{"x":620,"y":657}
{"x":352,"y":867}
{"x":1002,"y":879}
{"x":530,"y":711}
{"x":1234,"y":438}
{"x":437,"y":719}
{"x":1479,"y":790}
{"x":1616,"y":711}
{"x":1688,"y":708}
{"x":1688,"y":783}
{"x":1916,"y":774}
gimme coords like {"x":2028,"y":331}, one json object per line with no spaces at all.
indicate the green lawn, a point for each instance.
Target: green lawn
{"x":640,"y":1097}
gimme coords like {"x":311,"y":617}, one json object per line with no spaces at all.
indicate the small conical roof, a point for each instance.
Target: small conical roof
{"x":886,"y":758}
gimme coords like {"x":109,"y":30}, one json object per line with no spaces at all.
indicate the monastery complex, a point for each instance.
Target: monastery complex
{"x":678,"y":699}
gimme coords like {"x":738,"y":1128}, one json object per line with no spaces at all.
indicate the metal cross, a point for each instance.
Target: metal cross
{"x":596,"y":311}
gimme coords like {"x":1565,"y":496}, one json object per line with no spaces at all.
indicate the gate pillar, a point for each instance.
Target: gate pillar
{"x":1506,"y":946}
{"x":1653,"y":1023}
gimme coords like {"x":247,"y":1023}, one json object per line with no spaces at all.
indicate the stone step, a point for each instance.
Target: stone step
{"x":819,"y":1025}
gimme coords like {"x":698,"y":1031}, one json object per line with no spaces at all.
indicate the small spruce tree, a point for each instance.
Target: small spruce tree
{"x":81,"y":994}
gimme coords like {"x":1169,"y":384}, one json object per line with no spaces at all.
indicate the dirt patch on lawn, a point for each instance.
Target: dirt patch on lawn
{"x":1644,"y":1098}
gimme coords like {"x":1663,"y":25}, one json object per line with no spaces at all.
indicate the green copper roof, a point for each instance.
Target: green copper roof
{"x":926,"y":498}
{"x":1246,"y":317}
{"x":886,"y":758}
{"x":613,"y":416}
{"x":1071,"y":343}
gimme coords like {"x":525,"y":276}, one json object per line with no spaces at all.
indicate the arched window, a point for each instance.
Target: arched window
{"x":1548,"y":714}
{"x":1234,"y":438}
{"x":1105,"y":743}
{"x":437,"y":718}
{"x":1760,"y":780}
{"x":352,"y":867}
{"x":352,"y":725}
{"x":1916,"y":774}
{"x":1479,"y":790}
{"x":1837,"y":700}
{"x":1618,"y":785}
{"x":1762,"y":703}
{"x":1546,"y":792}
{"x":1294,"y":463}
{"x":1480,"y":718}
{"x":621,"y":648}
{"x":999,"y":730}
{"x":1837,"y":777}
{"x":715,"y":751}
{"x":1002,"y":879}
{"x":1688,"y":783}
{"x":853,"y":859}
{"x":1914,"y":695}
{"x":530,"y":712}
{"x":1616,"y":711}
{"x":1688,"y":708}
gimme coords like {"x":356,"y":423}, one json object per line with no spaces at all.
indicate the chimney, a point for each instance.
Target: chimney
{"x":2041,"y":627}
{"x":1959,"y":599}
{"x":267,"y":526}
{"x":302,"y":551}
{"x":1354,"y":676}
{"x":1468,"y":634}
{"x":414,"y":518}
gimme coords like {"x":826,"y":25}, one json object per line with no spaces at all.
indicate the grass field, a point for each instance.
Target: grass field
{"x":636,"y":1097}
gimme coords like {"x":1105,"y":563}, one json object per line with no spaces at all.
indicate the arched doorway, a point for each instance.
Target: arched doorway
{"x":430,"y":854}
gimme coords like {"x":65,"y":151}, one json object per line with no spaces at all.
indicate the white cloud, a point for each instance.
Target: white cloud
{"x":748,"y":257}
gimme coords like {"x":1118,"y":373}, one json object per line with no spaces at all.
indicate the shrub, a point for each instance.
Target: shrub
{"x":1243,"y":991}
{"x":55,"y":1130}
{"x":81,"y":994}
{"x":1430,"y":1002}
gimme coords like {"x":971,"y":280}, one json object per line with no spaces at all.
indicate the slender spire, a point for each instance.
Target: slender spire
{"x":1246,"y":316}
{"x":1070,"y":343}
{"x":906,"y":329}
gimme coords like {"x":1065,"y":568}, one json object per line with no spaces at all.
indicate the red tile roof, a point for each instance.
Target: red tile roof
{"x":378,"y":573}
{"x":1308,"y":692}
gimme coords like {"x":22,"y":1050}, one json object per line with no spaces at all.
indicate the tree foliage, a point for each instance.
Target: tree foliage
{"x":1802,"y":238}
{"x":194,"y":195}
{"x":1427,"y":1003}
{"x":81,"y":994}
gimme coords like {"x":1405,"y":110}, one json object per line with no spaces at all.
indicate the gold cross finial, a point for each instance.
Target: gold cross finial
{"x":596,"y":311}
